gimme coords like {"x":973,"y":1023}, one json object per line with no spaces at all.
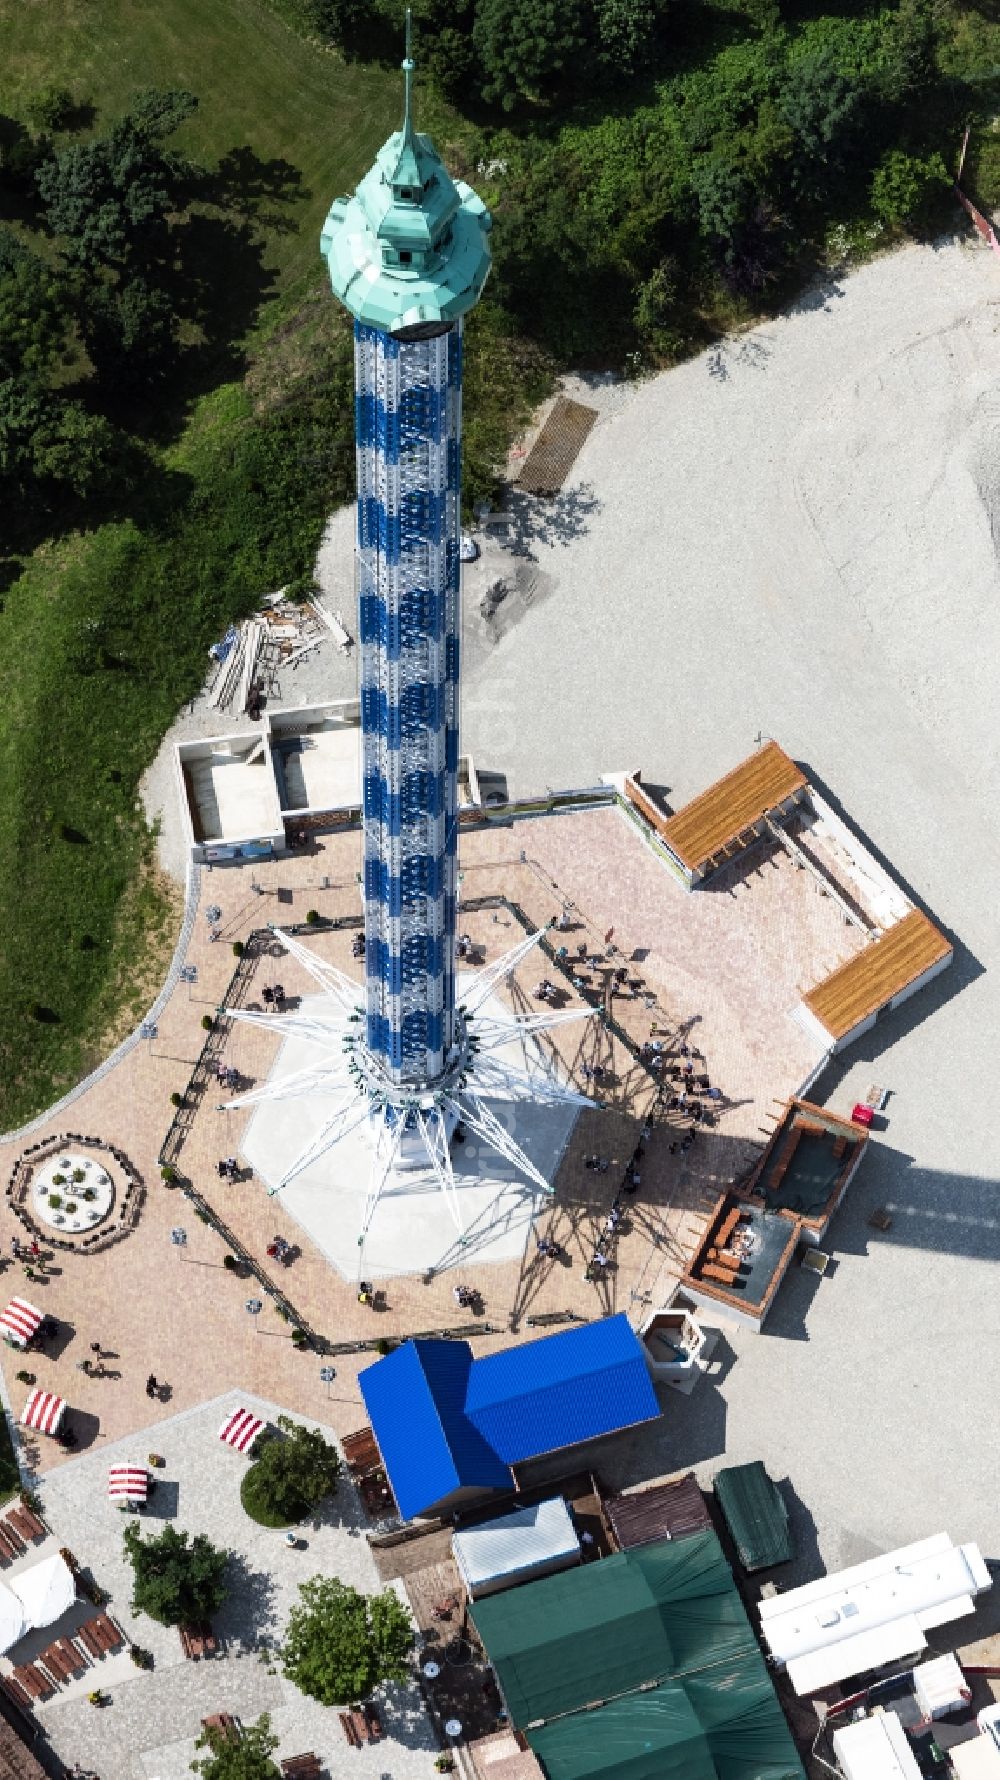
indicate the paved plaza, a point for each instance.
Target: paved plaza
{"x":148,"y":1730}
{"x":720,"y":969}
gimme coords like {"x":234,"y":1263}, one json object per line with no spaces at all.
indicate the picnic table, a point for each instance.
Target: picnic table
{"x":99,"y":1635}
{"x":224,"y":1723}
{"x":301,"y":1767}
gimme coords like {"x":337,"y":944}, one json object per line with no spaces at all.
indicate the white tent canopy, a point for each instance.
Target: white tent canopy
{"x":13,"y":1624}
{"x":874,"y":1613}
{"x":46,"y":1590}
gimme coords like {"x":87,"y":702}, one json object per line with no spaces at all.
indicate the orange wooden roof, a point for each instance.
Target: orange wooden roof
{"x":732,"y":805}
{"x":871,"y":978}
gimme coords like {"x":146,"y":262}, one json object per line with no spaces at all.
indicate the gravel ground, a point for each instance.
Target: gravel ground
{"x":795,"y":534}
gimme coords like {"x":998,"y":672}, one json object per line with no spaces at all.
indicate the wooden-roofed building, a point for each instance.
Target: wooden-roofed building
{"x":889,"y":970}
{"x":730,"y":815}
{"x":671,"y":1510}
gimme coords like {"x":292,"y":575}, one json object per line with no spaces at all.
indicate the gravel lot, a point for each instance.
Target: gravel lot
{"x":795,"y":535}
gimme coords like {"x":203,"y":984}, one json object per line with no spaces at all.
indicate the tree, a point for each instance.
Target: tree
{"x":52,"y":108}
{"x":905,"y":186}
{"x":625,"y":30}
{"x":356,"y":27}
{"x":35,"y":311}
{"x":49,"y":446}
{"x":175,"y":1582}
{"x":130,"y":330}
{"x":823,"y":110}
{"x":112,"y":198}
{"x":525,"y":46}
{"x":290,"y":1476}
{"x":340,"y":1644}
{"x":249,"y":1759}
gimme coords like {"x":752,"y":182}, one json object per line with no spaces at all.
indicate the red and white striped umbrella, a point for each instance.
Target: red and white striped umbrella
{"x":241,"y":1429}
{"x":19,"y":1321}
{"x":43,"y":1411}
{"x":128,"y":1483}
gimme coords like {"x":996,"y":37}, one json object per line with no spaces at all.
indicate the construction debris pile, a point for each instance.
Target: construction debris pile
{"x":251,"y":655}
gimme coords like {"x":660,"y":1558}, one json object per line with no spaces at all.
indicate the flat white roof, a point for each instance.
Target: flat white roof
{"x":926,"y":1583}
{"x":875,"y":1749}
{"x":514,"y":1543}
{"x":234,"y":800}
{"x":321,"y":767}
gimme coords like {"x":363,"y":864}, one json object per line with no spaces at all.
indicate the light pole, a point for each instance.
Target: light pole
{"x":328,"y":1374}
{"x":188,"y":974}
{"x":253,"y":1307}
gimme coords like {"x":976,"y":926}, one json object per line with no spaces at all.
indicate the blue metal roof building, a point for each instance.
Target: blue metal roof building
{"x":450,"y":1427}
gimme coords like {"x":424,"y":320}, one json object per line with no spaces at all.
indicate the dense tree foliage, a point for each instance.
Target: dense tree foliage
{"x":174,"y":1580}
{"x":291,"y":1475}
{"x":340,"y":1644}
{"x":249,"y":1758}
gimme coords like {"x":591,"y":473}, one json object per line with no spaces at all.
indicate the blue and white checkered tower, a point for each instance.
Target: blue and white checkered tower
{"x":408,"y":256}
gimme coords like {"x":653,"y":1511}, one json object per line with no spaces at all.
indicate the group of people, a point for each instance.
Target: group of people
{"x":228,"y":1168}
{"x":31,"y":1251}
{"x":228,"y":1076}
{"x":466,"y":1297}
{"x":465,"y":948}
{"x":546,"y":991}
{"x":358,"y":946}
{"x":272,"y":997}
{"x":280,"y":1250}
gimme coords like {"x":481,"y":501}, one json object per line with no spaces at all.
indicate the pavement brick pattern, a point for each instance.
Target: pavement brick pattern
{"x":721,"y":966}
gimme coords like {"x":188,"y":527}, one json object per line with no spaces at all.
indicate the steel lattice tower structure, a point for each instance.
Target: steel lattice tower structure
{"x":408,"y":257}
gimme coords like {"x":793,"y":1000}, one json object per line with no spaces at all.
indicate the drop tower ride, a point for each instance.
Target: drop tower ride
{"x":408,"y":256}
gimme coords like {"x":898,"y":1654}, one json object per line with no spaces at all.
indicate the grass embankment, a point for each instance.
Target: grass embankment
{"x":103,"y":633}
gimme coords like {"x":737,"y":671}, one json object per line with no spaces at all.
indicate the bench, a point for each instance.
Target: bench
{"x":26,"y":1524}
{"x":106,"y":1632}
{"x":301,"y":1767}
{"x":35,"y":1681}
{"x":16,"y":1692}
{"x":728,"y":1226}
{"x":86,"y":1636}
{"x":374,"y":1723}
{"x":349,"y":1729}
{"x":224,"y":1725}
{"x":70,"y":1655}
{"x":56,"y":1664}
{"x":723,"y":1276}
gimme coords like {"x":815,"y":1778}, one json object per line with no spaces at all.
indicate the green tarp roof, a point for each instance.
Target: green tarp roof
{"x":663,"y":1618}
{"x":755,"y":1514}
{"x":591,"y":1633}
{"x":691,"y":1730}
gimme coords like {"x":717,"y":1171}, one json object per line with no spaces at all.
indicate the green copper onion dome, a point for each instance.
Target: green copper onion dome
{"x":410,"y":249}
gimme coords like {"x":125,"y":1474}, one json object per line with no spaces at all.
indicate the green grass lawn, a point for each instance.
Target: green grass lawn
{"x":259,"y":84}
{"x":10,"y":1477}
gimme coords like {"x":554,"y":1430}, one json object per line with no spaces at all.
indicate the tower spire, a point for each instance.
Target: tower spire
{"x":408,"y":75}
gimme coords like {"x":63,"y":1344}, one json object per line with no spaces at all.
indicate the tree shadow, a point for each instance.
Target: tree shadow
{"x":248,"y":187}
{"x":249,"y":1607}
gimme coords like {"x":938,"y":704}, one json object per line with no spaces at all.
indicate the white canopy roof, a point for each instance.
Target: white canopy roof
{"x":873,"y":1613}
{"x":46,"y":1590}
{"x":875,"y":1749}
{"x":13,"y":1624}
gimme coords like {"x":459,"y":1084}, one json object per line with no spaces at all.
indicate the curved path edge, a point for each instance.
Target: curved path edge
{"x":192,"y":893}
